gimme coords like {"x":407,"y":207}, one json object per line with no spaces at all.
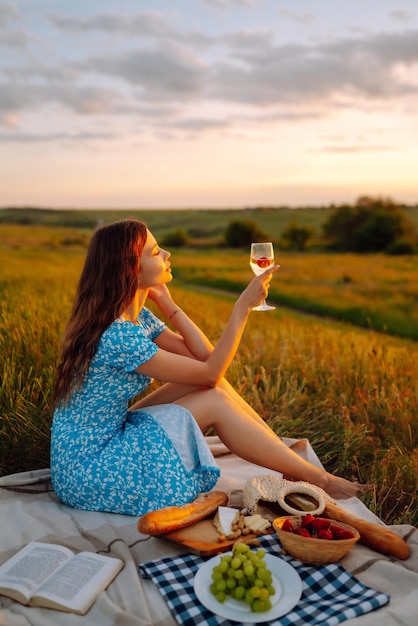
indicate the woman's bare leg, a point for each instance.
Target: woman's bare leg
{"x":254,"y":441}
{"x":171,"y":392}
{"x":244,"y":406}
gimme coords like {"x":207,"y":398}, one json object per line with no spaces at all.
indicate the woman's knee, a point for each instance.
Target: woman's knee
{"x":219,"y":395}
{"x":207,"y":406}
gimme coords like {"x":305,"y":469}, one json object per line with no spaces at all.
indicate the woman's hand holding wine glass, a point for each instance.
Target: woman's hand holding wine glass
{"x":261,"y":258}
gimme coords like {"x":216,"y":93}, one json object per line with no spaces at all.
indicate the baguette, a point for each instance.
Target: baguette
{"x":372,"y":535}
{"x":172,"y":518}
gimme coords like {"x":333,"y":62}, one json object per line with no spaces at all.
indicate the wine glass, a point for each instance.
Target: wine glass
{"x":261,"y":257}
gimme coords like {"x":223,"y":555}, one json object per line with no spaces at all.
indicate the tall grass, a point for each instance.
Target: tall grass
{"x":39,"y":269}
{"x":369,"y":290}
{"x":352,"y":392}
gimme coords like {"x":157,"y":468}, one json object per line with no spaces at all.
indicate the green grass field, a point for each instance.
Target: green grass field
{"x":351,"y":391}
{"x":370,"y":290}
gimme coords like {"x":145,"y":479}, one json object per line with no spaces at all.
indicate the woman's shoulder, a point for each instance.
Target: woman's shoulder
{"x":120,"y":339}
{"x":120,"y":330}
{"x":125,"y":344}
{"x":152,"y":325}
{"x":145,"y":315}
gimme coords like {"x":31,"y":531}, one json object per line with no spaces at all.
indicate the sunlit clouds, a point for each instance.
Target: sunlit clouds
{"x":220,"y":103}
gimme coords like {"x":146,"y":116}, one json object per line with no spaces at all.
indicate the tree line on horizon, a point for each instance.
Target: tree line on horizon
{"x":370,"y":225}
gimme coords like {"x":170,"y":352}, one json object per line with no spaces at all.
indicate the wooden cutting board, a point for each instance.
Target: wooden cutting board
{"x":202,"y":538}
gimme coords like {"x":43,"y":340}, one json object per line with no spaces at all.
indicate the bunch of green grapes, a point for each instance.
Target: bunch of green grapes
{"x":243,"y":575}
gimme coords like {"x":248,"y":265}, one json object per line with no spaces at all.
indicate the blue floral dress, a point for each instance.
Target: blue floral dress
{"x":106,"y":458}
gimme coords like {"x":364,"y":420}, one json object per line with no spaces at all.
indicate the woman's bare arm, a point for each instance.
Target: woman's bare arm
{"x":174,"y":342}
{"x":181,"y":369}
{"x":195,"y":343}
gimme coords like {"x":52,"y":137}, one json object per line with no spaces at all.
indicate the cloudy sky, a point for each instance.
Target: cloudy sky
{"x":207,"y":103}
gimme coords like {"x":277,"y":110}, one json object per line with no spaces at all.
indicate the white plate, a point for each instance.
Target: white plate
{"x":286,"y":581}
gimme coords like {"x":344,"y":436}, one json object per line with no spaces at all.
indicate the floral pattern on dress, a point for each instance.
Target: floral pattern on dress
{"x":106,"y":458}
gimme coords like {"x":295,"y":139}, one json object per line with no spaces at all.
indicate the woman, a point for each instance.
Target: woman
{"x":108,"y":457}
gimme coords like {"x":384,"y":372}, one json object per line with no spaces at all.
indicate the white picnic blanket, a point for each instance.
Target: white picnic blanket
{"x":30,"y":511}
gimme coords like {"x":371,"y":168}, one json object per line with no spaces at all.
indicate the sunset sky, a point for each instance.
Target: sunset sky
{"x":207,"y":103}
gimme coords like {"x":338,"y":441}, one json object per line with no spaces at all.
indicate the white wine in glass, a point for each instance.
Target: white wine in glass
{"x":261,"y":257}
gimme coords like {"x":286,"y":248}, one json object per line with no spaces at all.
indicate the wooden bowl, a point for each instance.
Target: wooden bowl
{"x":311,"y":549}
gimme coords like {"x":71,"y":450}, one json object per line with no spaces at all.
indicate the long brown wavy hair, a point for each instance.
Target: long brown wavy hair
{"x":107,"y":285}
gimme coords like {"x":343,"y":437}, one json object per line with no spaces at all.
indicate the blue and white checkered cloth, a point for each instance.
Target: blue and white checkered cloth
{"x":330,"y":594}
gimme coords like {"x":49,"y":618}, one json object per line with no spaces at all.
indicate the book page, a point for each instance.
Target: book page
{"x":79,"y":581}
{"x":31,"y":566}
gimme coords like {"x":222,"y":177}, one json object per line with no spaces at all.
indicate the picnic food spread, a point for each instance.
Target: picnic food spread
{"x":273,"y":489}
{"x":231,"y":524}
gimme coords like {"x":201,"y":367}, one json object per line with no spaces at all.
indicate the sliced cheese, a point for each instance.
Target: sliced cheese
{"x":261,"y":525}
{"x":256,"y":522}
{"x":224,"y":519}
{"x":252,"y":519}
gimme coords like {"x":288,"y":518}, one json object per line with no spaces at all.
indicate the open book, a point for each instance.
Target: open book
{"x":51,"y":576}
